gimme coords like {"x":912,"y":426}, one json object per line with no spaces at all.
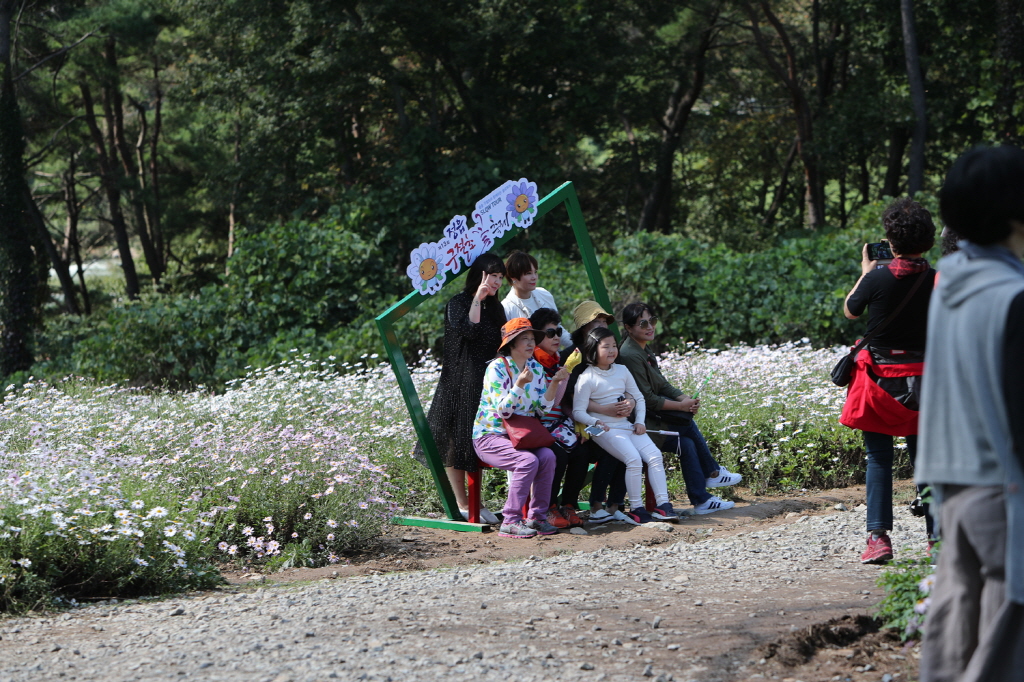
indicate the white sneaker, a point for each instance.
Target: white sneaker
{"x":724,"y":478}
{"x":619,"y":516}
{"x":600,"y":516}
{"x":713,"y":505}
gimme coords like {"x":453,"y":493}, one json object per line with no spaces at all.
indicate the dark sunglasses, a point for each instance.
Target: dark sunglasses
{"x":649,"y":322}
{"x":552,"y":333}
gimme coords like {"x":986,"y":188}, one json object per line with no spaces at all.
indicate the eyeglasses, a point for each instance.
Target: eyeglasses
{"x":552,"y":333}
{"x":649,"y":322}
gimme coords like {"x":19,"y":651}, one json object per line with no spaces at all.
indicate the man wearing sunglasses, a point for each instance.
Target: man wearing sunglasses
{"x":670,"y":410}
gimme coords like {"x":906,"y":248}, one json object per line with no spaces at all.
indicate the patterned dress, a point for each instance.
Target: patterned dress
{"x":468,"y":348}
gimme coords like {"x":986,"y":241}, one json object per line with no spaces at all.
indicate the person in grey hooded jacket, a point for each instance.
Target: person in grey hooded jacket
{"x":972,"y":425}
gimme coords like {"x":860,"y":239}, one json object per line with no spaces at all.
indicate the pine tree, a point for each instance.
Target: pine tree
{"x":17,"y":276}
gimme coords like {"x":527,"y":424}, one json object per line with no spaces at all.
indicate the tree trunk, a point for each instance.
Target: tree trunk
{"x":113,"y":194}
{"x":894,"y":168}
{"x":59,"y":264}
{"x":153,"y":205}
{"x":780,"y":191}
{"x":865,"y":179}
{"x":915,"y":182}
{"x":657,"y":210}
{"x":636,"y":175}
{"x":113,"y":109}
{"x":234,"y":203}
{"x":17,"y":279}
{"x":1010,"y":52}
{"x":814,"y":193}
{"x":842,"y":196}
{"x":72,"y":243}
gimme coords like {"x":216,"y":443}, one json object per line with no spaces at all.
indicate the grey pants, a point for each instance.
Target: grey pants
{"x":972,"y":634}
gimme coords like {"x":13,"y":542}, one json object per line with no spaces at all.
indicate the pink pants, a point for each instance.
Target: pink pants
{"x":529,"y":469}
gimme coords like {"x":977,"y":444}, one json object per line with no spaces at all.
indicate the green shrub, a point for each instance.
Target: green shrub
{"x":907,"y":585}
{"x":315,"y":286}
{"x":718,"y":296}
{"x":298,"y":285}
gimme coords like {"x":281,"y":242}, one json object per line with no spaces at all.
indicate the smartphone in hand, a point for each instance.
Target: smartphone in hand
{"x":879,"y":251}
{"x":594,"y":431}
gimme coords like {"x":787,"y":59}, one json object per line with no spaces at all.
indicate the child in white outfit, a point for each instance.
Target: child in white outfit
{"x":605,"y":382}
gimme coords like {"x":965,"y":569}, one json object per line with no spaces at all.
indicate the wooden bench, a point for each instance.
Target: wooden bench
{"x":474,"y":484}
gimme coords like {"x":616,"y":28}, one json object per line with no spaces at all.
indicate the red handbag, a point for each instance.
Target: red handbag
{"x":526,"y":432}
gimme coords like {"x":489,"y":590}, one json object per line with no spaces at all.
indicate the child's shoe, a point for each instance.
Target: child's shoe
{"x":640,"y":515}
{"x":665,"y":512}
{"x":542,"y":527}
{"x":619,"y":515}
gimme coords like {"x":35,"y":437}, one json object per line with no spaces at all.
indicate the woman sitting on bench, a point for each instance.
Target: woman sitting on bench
{"x":515,"y":383}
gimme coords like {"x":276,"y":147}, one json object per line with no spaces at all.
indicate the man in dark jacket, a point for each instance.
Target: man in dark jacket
{"x":972,"y":425}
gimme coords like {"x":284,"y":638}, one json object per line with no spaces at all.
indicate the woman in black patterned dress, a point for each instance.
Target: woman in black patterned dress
{"x":472,"y":334}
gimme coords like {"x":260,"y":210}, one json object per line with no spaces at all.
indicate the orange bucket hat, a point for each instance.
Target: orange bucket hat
{"x":513,"y":328}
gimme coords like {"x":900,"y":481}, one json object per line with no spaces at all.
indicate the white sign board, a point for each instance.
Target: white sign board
{"x":514,"y":204}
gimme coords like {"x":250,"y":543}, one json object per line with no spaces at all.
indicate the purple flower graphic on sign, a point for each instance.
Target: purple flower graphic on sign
{"x":522,"y":198}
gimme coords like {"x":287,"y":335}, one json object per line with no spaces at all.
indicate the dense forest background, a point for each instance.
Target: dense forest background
{"x":258,"y":171}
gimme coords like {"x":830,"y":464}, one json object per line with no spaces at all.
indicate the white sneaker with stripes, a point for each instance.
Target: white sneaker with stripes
{"x":724,"y":478}
{"x":714,"y":504}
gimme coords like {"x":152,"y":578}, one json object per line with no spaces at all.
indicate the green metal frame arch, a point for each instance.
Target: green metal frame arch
{"x":564,"y":195}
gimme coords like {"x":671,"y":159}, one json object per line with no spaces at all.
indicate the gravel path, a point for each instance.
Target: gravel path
{"x":676,"y":611}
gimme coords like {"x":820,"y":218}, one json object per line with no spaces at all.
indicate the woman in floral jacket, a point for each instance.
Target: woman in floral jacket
{"x":515,"y":383}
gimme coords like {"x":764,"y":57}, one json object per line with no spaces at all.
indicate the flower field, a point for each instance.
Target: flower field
{"x":111,"y":490}
{"x":772,"y":413}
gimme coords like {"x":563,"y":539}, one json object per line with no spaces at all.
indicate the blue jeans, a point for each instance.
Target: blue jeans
{"x":879,"y":448}
{"x":695,"y":461}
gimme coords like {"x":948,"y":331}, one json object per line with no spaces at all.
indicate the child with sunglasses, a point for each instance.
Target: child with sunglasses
{"x":570,"y":463}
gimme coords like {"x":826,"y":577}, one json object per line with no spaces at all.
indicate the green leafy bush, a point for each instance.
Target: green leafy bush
{"x":315,"y":286}
{"x":720,"y":296}
{"x":298,"y":285}
{"x":907,"y":585}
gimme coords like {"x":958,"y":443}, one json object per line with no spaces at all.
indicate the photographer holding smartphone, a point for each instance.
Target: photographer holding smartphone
{"x":882,"y":399}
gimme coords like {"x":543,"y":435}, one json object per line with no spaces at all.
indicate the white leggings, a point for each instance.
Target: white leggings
{"x":634,"y":451}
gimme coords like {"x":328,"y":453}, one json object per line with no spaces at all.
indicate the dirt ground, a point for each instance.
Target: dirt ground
{"x":409,"y":548}
{"x":834,"y":644}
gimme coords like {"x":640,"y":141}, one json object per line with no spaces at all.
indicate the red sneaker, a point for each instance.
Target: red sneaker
{"x":556,"y":519}
{"x":879,"y":550}
{"x":570,"y":514}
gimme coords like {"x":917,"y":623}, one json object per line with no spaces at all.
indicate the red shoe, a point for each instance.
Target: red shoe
{"x":570,"y":514}
{"x":879,"y":550}
{"x":931,"y":546}
{"x":556,"y":519}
